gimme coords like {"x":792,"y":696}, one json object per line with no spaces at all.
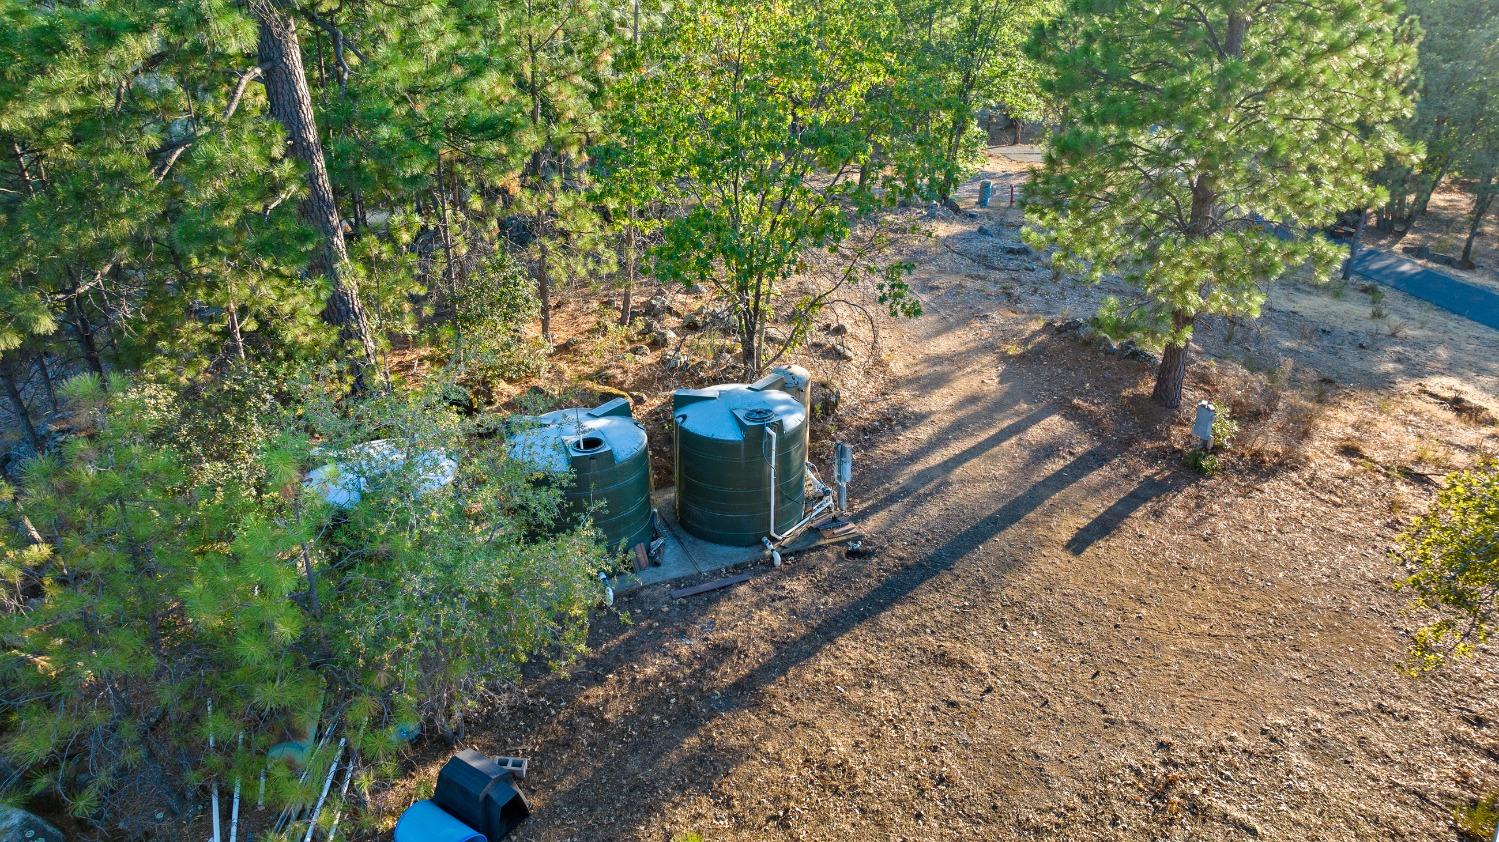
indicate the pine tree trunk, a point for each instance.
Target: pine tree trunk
{"x":1170,"y":377}
{"x":543,"y":282}
{"x":1358,"y":243}
{"x":1425,"y":187}
{"x":1172,"y":374}
{"x":291,"y":106}
{"x":85,"y":333}
{"x":1483,"y":197}
{"x":18,"y":405}
{"x":41,"y":367}
{"x":624,"y":300}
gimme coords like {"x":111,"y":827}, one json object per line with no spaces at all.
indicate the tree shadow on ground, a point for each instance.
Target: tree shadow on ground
{"x":662,"y":757}
{"x":1107,"y":521}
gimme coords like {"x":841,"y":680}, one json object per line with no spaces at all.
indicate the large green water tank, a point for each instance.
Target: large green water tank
{"x":606,"y":450}
{"x":723,"y":457}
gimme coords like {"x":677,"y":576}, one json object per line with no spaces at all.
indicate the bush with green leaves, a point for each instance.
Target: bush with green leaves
{"x":439,"y":594}
{"x":138,"y":592}
{"x":492,"y":305}
{"x":1451,"y":559}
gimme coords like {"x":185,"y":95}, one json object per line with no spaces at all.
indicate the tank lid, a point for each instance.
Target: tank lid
{"x":550,"y":442}
{"x":724,"y":412}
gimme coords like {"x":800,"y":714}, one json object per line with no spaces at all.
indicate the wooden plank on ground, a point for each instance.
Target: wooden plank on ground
{"x":714,"y":585}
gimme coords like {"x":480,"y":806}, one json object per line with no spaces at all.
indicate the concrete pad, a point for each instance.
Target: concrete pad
{"x":683,"y":555}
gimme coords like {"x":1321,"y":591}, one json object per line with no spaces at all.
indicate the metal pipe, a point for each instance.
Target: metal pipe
{"x":774,"y":479}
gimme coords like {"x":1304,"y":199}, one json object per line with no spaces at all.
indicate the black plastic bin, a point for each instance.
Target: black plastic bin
{"x":482,"y":794}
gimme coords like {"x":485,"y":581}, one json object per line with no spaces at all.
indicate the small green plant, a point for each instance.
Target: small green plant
{"x":1203,"y":462}
{"x":1376,"y":300}
{"x":1478,"y":820}
{"x":1224,"y":429}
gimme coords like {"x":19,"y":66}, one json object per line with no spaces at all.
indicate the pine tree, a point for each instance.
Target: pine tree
{"x":280,"y":54}
{"x":151,"y":603}
{"x":1201,"y":139}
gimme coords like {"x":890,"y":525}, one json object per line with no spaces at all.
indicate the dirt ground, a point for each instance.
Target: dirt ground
{"x":1063,"y":633}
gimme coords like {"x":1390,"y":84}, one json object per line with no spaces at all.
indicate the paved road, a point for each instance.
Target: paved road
{"x":1468,"y":300}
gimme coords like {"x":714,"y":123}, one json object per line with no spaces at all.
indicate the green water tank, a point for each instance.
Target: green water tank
{"x":726,"y":436}
{"x":605,"y":449}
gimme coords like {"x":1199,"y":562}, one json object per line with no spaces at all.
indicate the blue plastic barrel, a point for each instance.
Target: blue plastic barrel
{"x":424,"y":821}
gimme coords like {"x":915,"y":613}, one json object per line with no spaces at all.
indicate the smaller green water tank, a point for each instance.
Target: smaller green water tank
{"x":606,"y":450}
{"x":739,"y":447}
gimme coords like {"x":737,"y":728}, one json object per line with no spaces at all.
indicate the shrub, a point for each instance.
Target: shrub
{"x":1224,"y":429}
{"x":155,"y":590}
{"x":1203,"y":462}
{"x":491,"y":307}
{"x":146,"y":600}
{"x":1451,"y":556}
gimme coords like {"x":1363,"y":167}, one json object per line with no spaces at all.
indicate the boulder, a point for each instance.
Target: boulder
{"x":825,"y":399}
{"x":1070,"y":326}
{"x":22,"y":826}
{"x":658,"y":305}
{"x":663,"y":337}
{"x":776,"y":336}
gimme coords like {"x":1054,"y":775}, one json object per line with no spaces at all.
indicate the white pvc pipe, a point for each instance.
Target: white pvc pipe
{"x":327,"y":783}
{"x":234,"y":811}
{"x":822,"y":505}
{"x":215,"y":787}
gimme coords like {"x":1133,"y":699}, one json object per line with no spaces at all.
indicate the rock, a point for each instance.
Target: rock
{"x":862,"y":549}
{"x":1020,"y":249}
{"x":825,"y":399}
{"x":986,"y":231}
{"x":639,"y":350}
{"x":841,"y":352}
{"x":674,"y":362}
{"x":22,"y":826}
{"x":952,"y":205}
{"x":663,"y":337}
{"x":1070,"y":326}
{"x":776,"y":336}
{"x":837,"y":329}
{"x":696,"y":320}
{"x":1131,"y":351}
{"x":610,"y":376}
{"x":658,"y":305}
